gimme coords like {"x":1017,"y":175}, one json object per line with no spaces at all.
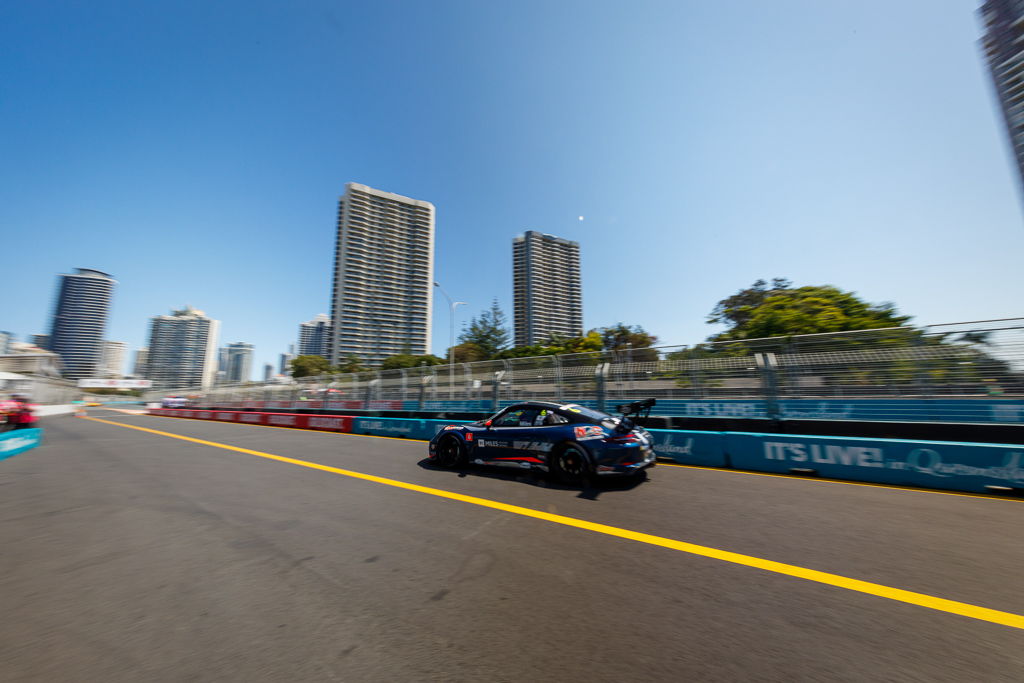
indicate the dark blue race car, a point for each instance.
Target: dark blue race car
{"x":570,"y":441}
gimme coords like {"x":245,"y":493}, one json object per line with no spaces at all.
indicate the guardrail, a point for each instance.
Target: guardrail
{"x":958,"y":466}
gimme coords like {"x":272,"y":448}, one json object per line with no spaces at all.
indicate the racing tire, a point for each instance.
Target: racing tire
{"x":570,"y":465}
{"x":451,"y":452}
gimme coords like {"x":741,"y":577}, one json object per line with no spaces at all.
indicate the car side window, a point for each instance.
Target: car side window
{"x":555,"y":419}
{"x":523,"y":417}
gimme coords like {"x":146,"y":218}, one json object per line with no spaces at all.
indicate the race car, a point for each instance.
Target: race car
{"x":570,"y":441}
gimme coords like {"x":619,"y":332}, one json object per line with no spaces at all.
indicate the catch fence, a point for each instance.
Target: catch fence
{"x":962,"y":372}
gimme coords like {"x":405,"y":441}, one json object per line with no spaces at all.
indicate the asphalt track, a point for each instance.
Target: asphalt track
{"x":131,"y":555}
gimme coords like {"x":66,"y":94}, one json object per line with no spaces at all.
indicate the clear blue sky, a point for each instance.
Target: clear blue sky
{"x":196,"y":150}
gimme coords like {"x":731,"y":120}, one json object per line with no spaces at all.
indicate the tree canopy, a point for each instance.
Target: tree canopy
{"x":408,"y":360}
{"x":779,"y":309}
{"x":621,"y":336}
{"x":487,"y":331}
{"x":309,"y":366}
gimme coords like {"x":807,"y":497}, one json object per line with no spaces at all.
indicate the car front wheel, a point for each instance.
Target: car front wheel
{"x":450,"y":452}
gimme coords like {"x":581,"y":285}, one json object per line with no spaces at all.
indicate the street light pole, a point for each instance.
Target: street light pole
{"x":452,"y":305}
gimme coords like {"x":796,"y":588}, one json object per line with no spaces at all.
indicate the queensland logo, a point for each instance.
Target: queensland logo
{"x":675,"y":448}
{"x":225,"y":416}
{"x":287,"y":420}
{"x":249,"y":417}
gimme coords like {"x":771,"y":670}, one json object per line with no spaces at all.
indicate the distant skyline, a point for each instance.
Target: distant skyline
{"x":197,"y":151}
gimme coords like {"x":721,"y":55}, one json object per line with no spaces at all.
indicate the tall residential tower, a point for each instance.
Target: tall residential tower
{"x":546,"y":284}
{"x":383,"y":273}
{"x":1004,"y":35}
{"x":182,"y":349}
{"x":79,"y":321}
{"x":314,"y":336}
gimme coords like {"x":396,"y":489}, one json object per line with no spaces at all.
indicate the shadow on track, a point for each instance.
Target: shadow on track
{"x":590,"y":491}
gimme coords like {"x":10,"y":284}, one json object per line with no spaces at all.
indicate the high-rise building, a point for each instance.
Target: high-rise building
{"x":139,"y":364}
{"x":238,"y":362}
{"x":314,"y":336}
{"x":80,"y":319}
{"x":113,"y":359}
{"x":41,"y":341}
{"x":284,"y":366}
{"x":5,"y":343}
{"x":383,"y":272}
{"x":268,"y":372}
{"x":1004,"y":33}
{"x":547,"y":293}
{"x":182,"y":349}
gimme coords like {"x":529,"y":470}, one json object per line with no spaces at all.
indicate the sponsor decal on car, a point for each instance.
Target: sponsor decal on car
{"x":587,"y":433}
{"x":447,"y":427}
{"x":541,"y":446}
{"x":491,"y":443}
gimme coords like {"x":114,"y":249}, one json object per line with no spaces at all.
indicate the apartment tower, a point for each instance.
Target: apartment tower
{"x":182,"y":349}
{"x":546,"y":283}
{"x":1002,"y":43}
{"x":79,"y":321}
{"x":314,"y":336}
{"x":383,"y":273}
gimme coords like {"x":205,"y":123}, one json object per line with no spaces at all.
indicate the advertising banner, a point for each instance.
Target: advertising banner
{"x":115,"y":384}
{"x":690,"y":448}
{"x":933,"y":464}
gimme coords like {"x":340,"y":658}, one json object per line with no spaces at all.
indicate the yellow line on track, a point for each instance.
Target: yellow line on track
{"x":661,"y":463}
{"x":878,"y":590}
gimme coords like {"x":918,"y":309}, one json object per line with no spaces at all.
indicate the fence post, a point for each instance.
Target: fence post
{"x":769,"y":383}
{"x":600,"y":377}
{"x":558,"y":378}
{"x":496,"y":390}
{"x":424,"y":381}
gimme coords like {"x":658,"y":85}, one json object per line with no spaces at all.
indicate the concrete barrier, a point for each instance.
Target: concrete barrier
{"x":47,"y":411}
{"x":18,"y":441}
{"x":958,"y":466}
{"x":933,"y":464}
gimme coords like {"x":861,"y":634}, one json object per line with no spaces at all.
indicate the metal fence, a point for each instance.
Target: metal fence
{"x":962,"y":372}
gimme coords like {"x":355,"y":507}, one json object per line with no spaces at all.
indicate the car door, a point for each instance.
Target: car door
{"x":535,"y":442}
{"x":504,"y":440}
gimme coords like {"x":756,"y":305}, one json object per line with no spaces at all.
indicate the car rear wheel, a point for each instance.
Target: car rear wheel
{"x":450,"y":452}
{"x":570,"y":465}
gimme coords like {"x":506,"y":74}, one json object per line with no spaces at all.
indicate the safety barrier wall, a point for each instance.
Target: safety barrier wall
{"x":949,"y":465}
{"x":18,"y":441}
{"x":979,"y":410}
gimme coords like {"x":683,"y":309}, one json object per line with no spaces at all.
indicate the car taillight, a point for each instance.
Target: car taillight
{"x":622,"y":438}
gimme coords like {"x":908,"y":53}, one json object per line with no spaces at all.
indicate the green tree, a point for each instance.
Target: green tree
{"x":408,"y":360}
{"x":779,"y":310}
{"x":350,"y":364}
{"x":621,"y":336}
{"x":310,"y":366}
{"x":467,"y":352}
{"x":488,"y":331}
